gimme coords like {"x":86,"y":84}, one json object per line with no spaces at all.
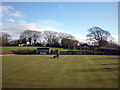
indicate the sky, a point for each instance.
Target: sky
{"x":68,"y":17}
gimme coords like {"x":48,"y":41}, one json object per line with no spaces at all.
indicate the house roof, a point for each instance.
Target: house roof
{"x":86,"y":47}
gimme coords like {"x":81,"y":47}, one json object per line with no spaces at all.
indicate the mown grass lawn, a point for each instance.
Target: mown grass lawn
{"x":9,"y":48}
{"x":69,"y":71}
{"x":14,"y":48}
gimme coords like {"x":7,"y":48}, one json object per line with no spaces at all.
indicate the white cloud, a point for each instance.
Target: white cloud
{"x":17,"y":14}
{"x":80,"y":38}
{"x":6,"y":10}
{"x":32,"y":26}
{"x":22,"y":21}
{"x":9,"y":20}
{"x":16,"y":29}
{"x":115,"y":37}
{"x":51,"y":29}
{"x":49,"y":23}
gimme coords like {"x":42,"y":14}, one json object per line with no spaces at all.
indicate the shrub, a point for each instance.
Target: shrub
{"x":7,"y":52}
{"x":27,"y":51}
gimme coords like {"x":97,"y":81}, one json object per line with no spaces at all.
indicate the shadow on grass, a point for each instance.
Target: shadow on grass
{"x":111,"y":64}
{"x":110,"y":79}
{"x":107,"y":58}
{"x":94,"y":70}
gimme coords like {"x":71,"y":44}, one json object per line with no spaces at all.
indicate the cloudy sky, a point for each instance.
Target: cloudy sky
{"x":69,"y":17}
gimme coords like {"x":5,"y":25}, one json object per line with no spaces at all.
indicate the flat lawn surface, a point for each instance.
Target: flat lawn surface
{"x":69,"y":71}
{"x":9,"y":48}
{"x":23,"y":48}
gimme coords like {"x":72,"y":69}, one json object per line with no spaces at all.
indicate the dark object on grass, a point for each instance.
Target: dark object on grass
{"x":54,"y":56}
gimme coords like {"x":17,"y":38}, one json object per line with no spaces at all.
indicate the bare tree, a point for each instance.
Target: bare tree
{"x":98,"y":36}
{"x":69,"y":36}
{"x":61,"y":36}
{"x":23,"y":40}
{"x":75,"y":43}
{"x":5,"y":39}
{"x":36,"y":36}
{"x":26,"y":35}
{"x":51,"y":37}
{"x":69,"y":41}
{"x":30,"y":36}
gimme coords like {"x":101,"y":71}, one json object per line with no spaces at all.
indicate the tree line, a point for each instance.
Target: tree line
{"x":96,"y":37}
{"x":48,"y":38}
{"x":45,"y":38}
